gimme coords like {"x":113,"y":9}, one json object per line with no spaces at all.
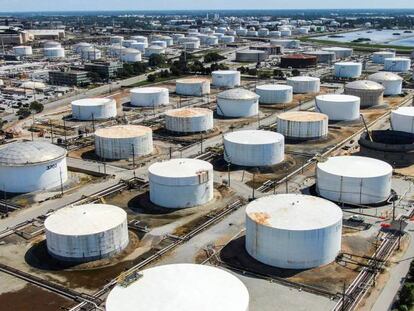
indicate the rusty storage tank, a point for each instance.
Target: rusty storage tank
{"x":370,"y":92}
{"x":298,"y":61}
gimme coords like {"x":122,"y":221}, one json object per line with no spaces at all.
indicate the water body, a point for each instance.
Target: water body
{"x":389,"y":37}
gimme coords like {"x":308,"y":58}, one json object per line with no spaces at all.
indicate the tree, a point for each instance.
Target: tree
{"x":295,"y":72}
{"x":156,"y":60}
{"x":23,"y":113}
{"x":94,"y":77}
{"x":151,"y":78}
{"x":36,"y":106}
{"x":407,"y":294}
{"x":252,"y":72}
{"x":213,"y":57}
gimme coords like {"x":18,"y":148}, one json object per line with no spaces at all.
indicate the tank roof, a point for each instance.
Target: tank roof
{"x":148,"y":90}
{"x":123,"y":131}
{"x":338,"y":97}
{"x":188,"y":112}
{"x":298,"y":56}
{"x":406,"y":111}
{"x":181,"y":287}
{"x":274,"y":87}
{"x":29,"y":152}
{"x":295,"y":212}
{"x":92,"y":101}
{"x":179,"y":168}
{"x":225,"y":72}
{"x":254,"y":137}
{"x":385,"y":76}
{"x":348,"y":64}
{"x":355,"y":166}
{"x":302,"y":116}
{"x":364,"y":85}
{"x":236,"y":94}
{"x":192,"y":80}
{"x":85,"y":219}
{"x":303,"y":79}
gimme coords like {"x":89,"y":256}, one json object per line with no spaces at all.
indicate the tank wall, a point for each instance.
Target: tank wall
{"x":303,"y":87}
{"x":302,"y":130}
{"x":275,"y":96}
{"x":339,"y":111}
{"x":101,"y":112}
{"x":237,"y":108}
{"x":193,"y":89}
{"x":368,"y":98}
{"x":150,"y":100}
{"x":293,"y":249}
{"x":353,"y":71}
{"x":353,"y":190}
{"x":397,"y":65}
{"x":22,"y":179}
{"x":254,"y":155}
{"x":402,"y":123}
{"x":226,"y":80}
{"x":189,"y":125}
{"x":123,"y":148}
{"x":88,"y":247}
{"x":391,"y":87}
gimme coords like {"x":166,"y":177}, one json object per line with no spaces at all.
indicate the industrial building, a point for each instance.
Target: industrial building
{"x":225,"y":291}
{"x":354,"y":180}
{"x":189,"y":120}
{"x":293,"y":231}
{"x":85,"y":233}
{"x":254,"y":148}
{"x":69,"y":78}
{"x":251,"y":56}
{"x":123,"y":142}
{"x":106,"y":70}
{"x":181,"y":183}
{"x":237,"y":103}
{"x":32,"y":166}
{"x":324,"y":57}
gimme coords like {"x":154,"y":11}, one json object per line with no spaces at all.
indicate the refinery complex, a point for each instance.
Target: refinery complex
{"x":220,"y":161}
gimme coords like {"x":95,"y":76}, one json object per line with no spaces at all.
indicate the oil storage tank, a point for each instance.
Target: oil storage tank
{"x":22,"y":50}
{"x":123,"y":141}
{"x":397,"y":64}
{"x":130,"y":55}
{"x":302,"y":125}
{"x":391,"y":82}
{"x":149,"y":96}
{"x":226,"y":78}
{"x":298,"y":61}
{"x":338,"y":107}
{"x":88,"y":232}
{"x":225,"y":291}
{"x":181,"y":183}
{"x":402,"y":119}
{"x":354,"y":180}
{"x":371,"y":93}
{"x":324,"y":57}
{"x":251,"y":56}
{"x":193,"y":86}
{"x":51,"y":53}
{"x":348,"y":69}
{"x":94,"y":109}
{"x":32,"y":166}
{"x":379,"y":57}
{"x":254,"y":148}
{"x":293,"y":231}
{"x":154,"y":50}
{"x":274,"y":94}
{"x":340,"y":52}
{"x":237,"y":103}
{"x":189,"y":120}
{"x":304,"y":84}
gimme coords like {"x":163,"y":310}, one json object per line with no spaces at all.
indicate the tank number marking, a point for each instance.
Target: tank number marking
{"x":49,"y":167}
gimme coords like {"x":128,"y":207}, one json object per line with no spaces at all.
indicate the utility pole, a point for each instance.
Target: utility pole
{"x":51,"y":130}
{"x":228,"y":173}
{"x":201,"y":142}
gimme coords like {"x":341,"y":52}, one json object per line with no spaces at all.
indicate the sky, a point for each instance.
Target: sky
{"x":95,"y":5}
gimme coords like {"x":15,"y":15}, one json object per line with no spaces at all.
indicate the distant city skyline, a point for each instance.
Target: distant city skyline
{"x":81,"y":5}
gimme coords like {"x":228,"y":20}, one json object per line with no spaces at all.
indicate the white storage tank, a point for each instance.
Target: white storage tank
{"x":184,"y":288}
{"x":149,"y":96}
{"x":285,"y":32}
{"x":190,"y":42}
{"x":116,"y":39}
{"x":325,"y":57}
{"x":274,"y":94}
{"x":391,"y":82}
{"x":354,"y":180}
{"x":154,"y":49}
{"x":293,"y":231}
{"x":241,"y":32}
{"x":402,"y":119}
{"x":275,"y":34}
{"x":51,"y":53}
{"x":22,"y":50}
{"x":140,"y":46}
{"x":397,"y":64}
{"x":211,"y":40}
{"x":94,"y":109}
{"x":160,"y":43}
{"x":286,"y":43}
{"x":254,"y":148}
{"x":177,"y":36}
{"x":140,"y":39}
{"x":370,"y":92}
{"x":51,"y":44}
{"x":237,"y":103}
{"x":340,"y":52}
{"x":85,"y":233}
{"x":189,"y":120}
{"x":227,"y":39}
{"x":263,"y":32}
{"x":91,"y":53}
{"x":302,"y":125}
{"x":379,"y":57}
{"x":348,"y":69}
{"x":79,"y":47}
{"x":129,"y":43}
{"x":131,"y":56}
{"x":226,"y":78}
{"x":123,"y":142}
{"x":116,"y":50}
{"x":338,"y":107}
{"x":193,"y":86}
{"x":32,"y":166}
{"x":252,"y":33}
{"x":304,"y":84}
{"x":181,"y":183}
